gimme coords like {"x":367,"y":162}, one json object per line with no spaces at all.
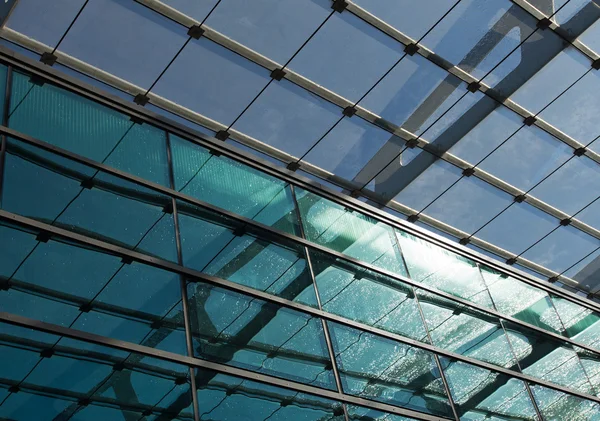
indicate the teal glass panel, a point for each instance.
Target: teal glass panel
{"x":258,"y":336}
{"x":214,"y":245}
{"x":367,"y":297}
{"x":521,"y":301}
{"x":590,"y":361}
{"x":480,"y":394}
{"x":79,"y":125}
{"x":349,"y":232}
{"x":53,"y":283}
{"x":111,"y":209}
{"x":548,"y":359}
{"x":232,"y":186}
{"x":367,"y":414}
{"x":377,"y":368}
{"x":559,"y":406}
{"x":468,"y":332}
{"x":227,"y":398}
{"x":3,"y":72}
{"x":442,"y":269}
{"x":581,"y":324}
{"x":65,"y":380}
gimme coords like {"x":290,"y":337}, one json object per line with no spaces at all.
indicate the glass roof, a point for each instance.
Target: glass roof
{"x":478,"y":120}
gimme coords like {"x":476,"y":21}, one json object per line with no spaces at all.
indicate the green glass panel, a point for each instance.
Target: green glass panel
{"x":84,"y":127}
{"x":521,"y":301}
{"x":468,"y":332}
{"x":559,"y":406}
{"x":547,"y":358}
{"x":110,"y":209}
{"x":442,"y":269}
{"x":3,"y":72}
{"x":590,"y":362}
{"x":212,"y":244}
{"x":258,"y":336}
{"x":227,"y":398}
{"x":480,"y":394}
{"x":581,"y":324}
{"x":62,"y":374}
{"x":377,"y":368}
{"x":349,"y":232}
{"x":367,"y":297}
{"x":233,"y":186}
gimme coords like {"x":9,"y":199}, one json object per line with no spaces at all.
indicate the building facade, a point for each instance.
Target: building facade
{"x":149,"y":272}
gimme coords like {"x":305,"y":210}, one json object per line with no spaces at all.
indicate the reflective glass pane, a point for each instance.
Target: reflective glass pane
{"x":233,"y":186}
{"x":582,"y":324}
{"x":480,"y":394}
{"x":347,"y":55}
{"x":195,"y":9}
{"x":521,"y":301}
{"x":288,"y":117}
{"x":558,"y":406}
{"x":590,"y":362}
{"x":383,"y":370}
{"x":129,"y":49}
{"x":219,"y":91}
{"x":256,"y":24}
{"x":366,"y":414}
{"x":548,"y":358}
{"x":65,"y":380}
{"x":258,"y":336}
{"x":442,"y":269}
{"x":80,"y":199}
{"x":213,"y":245}
{"x":349,"y":232}
{"x":465,"y":331}
{"x":367,"y":297}
{"x":227,"y":398}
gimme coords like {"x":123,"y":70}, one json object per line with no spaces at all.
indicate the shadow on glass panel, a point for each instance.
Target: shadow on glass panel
{"x":581,"y":324}
{"x":367,"y":297}
{"x":52,"y":378}
{"x":380,"y":369}
{"x":219,"y":246}
{"x":480,"y":394}
{"x":258,"y":336}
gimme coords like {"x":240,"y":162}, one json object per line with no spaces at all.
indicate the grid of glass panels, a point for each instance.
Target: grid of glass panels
{"x":351,"y":53}
{"x":411,"y":325}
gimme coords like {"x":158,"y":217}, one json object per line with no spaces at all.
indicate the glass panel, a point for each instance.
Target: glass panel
{"x":219,"y":91}
{"x":233,"y":186}
{"x":480,"y":394}
{"x":465,"y":331}
{"x":258,"y":336}
{"x":44,"y":21}
{"x":383,"y":370}
{"x":347,"y":55}
{"x":411,"y":17}
{"x":477,"y":36}
{"x":582,"y":324}
{"x":558,"y":406}
{"x":349,"y":232}
{"x":365,"y":414}
{"x":442,"y":269}
{"x":227,"y":398}
{"x":104,"y":207}
{"x":590,"y":362}
{"x":193,"y":8}
{"x":288,"y":117}
{"x":259,"y":23}
{"x":65,"y":380}
{"x":547,"y":358}
{"x":521,"y":301}
{"x":129,"y":49}
{"x":591,"y":37}
{"x":213,"y":245}
{"x":367,"y":297}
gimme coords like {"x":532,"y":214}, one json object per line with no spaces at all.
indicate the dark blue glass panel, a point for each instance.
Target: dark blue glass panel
{"x":258,"y":336}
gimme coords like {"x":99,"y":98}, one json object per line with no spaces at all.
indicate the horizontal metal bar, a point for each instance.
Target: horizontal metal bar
{"x":192,"y":274}
{"x":17,"y":320}
{"x":273,"y":232}
{"x":118,"y":103}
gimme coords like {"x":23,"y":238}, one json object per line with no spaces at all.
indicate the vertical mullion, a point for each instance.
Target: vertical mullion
{"x":182,"y":282}
{"x":435,"y":356}
{"x":512,"y":350}
{"x":7,"y":95}
{"x":336,"y":374}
